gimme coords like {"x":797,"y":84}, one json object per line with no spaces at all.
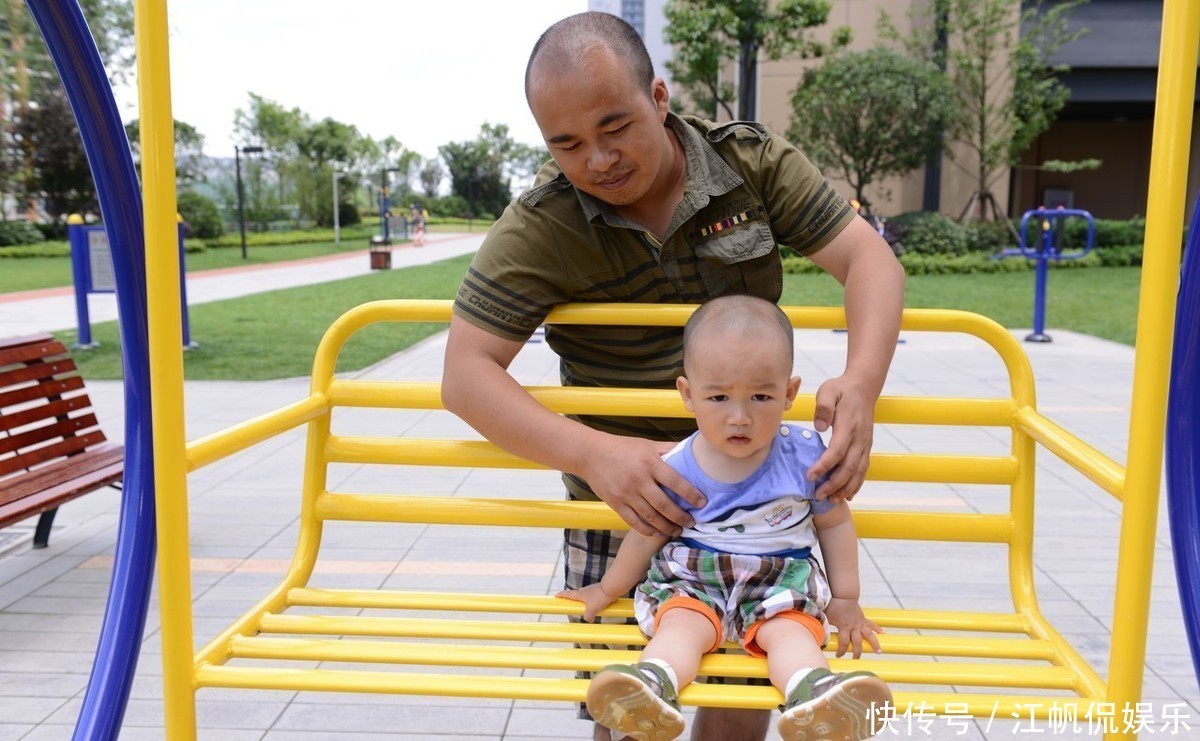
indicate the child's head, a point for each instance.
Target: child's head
{"x":737,"y":366}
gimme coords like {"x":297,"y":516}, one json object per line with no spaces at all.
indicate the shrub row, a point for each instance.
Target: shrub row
{"x":19,"y":233}
{"x":927,"y":233}
{"x":916,"y":263}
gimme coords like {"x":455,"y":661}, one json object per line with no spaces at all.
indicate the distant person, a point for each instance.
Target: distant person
{"x":416,"y":216}
{"x":746,"y":570}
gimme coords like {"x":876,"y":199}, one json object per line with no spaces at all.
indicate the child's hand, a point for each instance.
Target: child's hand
{"x":592,"y":596}
{"x":852,"y":626}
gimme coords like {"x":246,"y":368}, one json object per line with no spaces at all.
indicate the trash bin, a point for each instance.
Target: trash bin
{"x":381,"y":254}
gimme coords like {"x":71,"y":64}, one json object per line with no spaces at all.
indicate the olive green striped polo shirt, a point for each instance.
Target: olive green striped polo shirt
{"x":747,"y":192}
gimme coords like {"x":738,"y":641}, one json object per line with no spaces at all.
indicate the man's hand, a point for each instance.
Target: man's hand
{"x":852,"y":627}
{"x":843,"y":404}
{"x":592,"y":596}
{"x":628,"y":474}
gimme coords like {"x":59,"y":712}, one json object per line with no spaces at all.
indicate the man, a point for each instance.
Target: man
{"x":641,"y":205}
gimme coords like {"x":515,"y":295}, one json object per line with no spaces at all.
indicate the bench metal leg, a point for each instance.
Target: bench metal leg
{"x":41,"y":536}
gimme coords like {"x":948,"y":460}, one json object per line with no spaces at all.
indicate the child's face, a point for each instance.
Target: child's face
{"x":738,"y":386}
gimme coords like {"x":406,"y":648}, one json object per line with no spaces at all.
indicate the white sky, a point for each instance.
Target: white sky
{"x":425,"y":71}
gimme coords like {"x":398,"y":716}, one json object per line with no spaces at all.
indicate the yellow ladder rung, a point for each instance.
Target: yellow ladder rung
{"x":572,"y":659}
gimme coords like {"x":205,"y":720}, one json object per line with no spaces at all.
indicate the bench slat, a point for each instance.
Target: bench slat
{"x":58,"y":429}
{"x":58,"y":408}
{"x":1032,"y":675}
{"x":27,"y":351}
{"x":55,"y":495}
{"x":44,"y":390}
{"x":97,"y":463}
{"x":71,"y":446}
{"x":36,"y":371}
{"x":958,"y":705}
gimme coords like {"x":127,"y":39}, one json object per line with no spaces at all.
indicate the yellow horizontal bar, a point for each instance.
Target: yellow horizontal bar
{"x":983,"y":622}
{"x":1096,"y":466}
{"x":936,"y":526}
{"x":205,"y":450}
{"x":574,"y":690}
{"x":573,"y":659}
{"x":948,"y":469}
{"x":666,"y":403}
{"x":467,"y":511}
{"x":972,"y":528}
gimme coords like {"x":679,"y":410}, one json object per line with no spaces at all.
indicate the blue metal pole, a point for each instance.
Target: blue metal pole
{"x":79,"y":66}
{"x":1183,"y":440}
{"x":1039,"y":287}
{"x":77,"y":238}
{"x":187,"y":329}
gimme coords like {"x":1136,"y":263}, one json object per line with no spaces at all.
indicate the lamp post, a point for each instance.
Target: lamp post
{"x":237,"y":163}
{"x":336,"y":233}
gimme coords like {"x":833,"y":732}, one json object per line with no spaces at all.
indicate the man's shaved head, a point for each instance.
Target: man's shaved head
{"x":744,"y":315}
{"x":565,"y":43}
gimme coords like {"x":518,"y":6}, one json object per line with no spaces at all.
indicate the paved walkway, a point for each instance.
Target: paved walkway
{"x":244,"y":519}
{"x":52,"y":309}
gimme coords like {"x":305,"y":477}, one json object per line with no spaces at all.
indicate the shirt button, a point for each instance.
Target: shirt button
{"x":807,"y":435}
{"x":785,"y":430}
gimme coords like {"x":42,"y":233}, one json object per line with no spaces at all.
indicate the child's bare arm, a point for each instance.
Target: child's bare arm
{"x":628,"y":569}
{"x":839,"y":550}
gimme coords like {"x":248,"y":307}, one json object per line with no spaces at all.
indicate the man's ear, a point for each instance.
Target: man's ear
{"x":793,"y":386}
{"x":685,"y":392}
{"x":661,"y":97}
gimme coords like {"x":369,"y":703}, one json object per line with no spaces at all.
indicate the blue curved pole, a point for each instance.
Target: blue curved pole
{"x":79,"y":66}
{"x":1183,"y":440}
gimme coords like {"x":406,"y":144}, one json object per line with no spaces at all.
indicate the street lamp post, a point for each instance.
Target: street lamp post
{"x":385,"y":203}
{"x":237,"y":163}
{"x":336,"y":233}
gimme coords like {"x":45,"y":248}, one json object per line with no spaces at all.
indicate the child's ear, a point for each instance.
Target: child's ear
{"x":685,"y":391}
{"x":793,"y":386}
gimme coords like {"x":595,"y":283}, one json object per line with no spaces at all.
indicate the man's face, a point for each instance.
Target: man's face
{"x":604,"y":130}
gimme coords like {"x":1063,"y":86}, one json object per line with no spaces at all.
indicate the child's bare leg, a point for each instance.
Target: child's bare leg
{"x":640,"y":700}
{"x":790,"y":647}
{"x":681,"y":638}
{"x":818,"y":704}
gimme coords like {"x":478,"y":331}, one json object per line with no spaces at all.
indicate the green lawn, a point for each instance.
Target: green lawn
{"x":274,"y":335}
{"x":1095,"y":301}
{"x":31,"y":273}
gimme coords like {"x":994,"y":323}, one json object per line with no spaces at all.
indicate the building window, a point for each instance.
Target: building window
{"x":634,"y":13}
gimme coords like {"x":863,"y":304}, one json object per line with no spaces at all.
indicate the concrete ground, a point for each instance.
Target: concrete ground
{"x":244,"y":513}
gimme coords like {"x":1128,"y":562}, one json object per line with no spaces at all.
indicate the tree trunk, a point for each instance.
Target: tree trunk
{"x":748,"y":82}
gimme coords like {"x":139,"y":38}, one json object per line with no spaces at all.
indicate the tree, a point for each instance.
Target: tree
{"x":26,"y":72}
{"x":432,"y":174}
{"x":868,"y":115}
{"x":1007,"y":92}
{"x":322,"y":146}
{"x":480,"y":170}
{"x":706,"y":34}
{"x":46,"y":136}
{"x":189,"y":150}
{"x":277,"y":130}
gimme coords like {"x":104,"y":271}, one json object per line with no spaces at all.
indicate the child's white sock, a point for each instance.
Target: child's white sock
{"x":796,"y":679}
{"x":666,"y":668}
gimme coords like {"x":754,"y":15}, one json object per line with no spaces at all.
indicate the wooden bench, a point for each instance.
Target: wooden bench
{"x":51,"y":447}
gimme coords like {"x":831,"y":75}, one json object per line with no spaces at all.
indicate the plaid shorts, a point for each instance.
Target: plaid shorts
{"x":586,"y":555}
{"x":741,"y":589}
